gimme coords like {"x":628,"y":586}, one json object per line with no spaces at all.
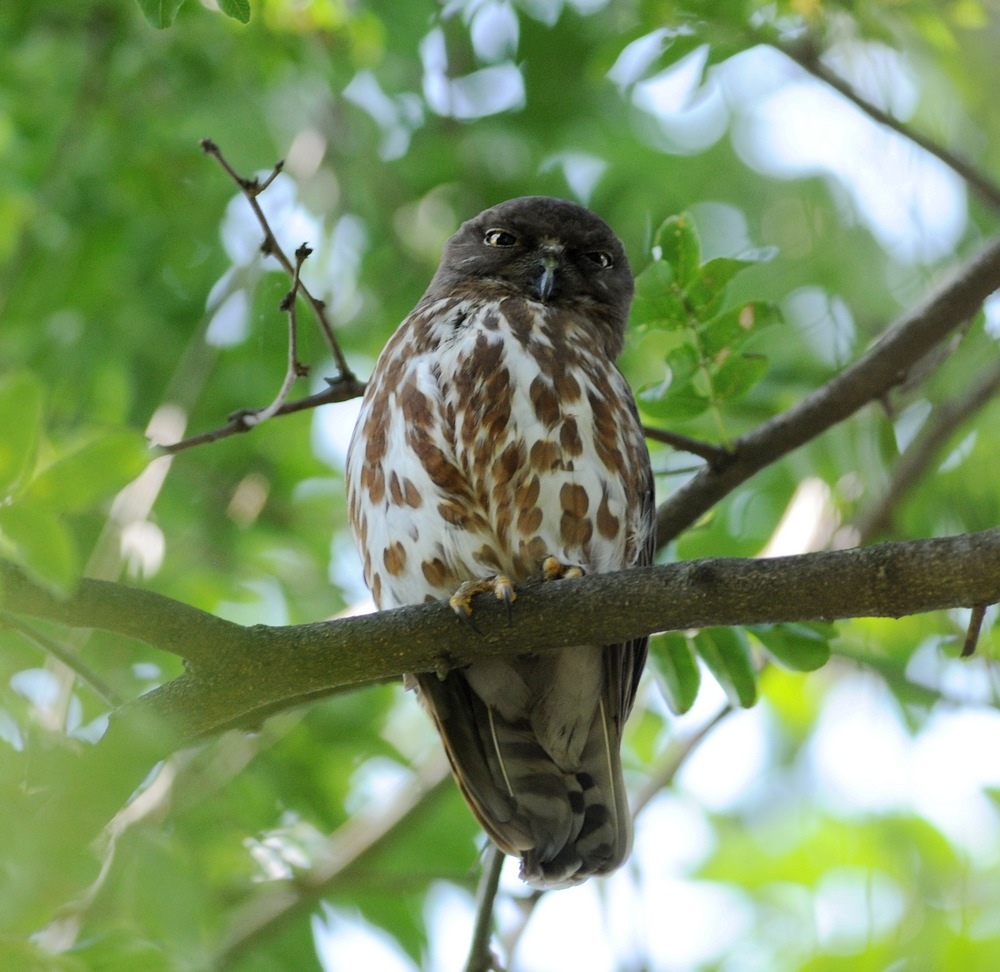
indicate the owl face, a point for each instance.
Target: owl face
{"x":548,"y":250}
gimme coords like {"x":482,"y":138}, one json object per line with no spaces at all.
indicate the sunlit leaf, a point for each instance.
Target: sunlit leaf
{"x":708,"y":287}
{"x":738,"y":374}
{"x":237,"y":9}
{"x":676,"y":402}
{"x":656,"y":302}
{"x":732,"y":328}
{"x":680,"y":246}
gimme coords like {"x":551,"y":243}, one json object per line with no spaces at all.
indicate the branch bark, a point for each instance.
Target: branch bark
{"x":873,"y":376}
{"x":240,"y":675}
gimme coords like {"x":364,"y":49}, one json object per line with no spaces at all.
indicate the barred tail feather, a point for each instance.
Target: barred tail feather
{"x":566,"y":822}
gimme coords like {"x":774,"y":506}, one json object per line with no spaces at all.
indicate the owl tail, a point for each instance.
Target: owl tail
{"x":567,"y":821}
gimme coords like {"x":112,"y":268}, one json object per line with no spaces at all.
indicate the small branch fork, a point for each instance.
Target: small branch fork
{"x":344,"y":387}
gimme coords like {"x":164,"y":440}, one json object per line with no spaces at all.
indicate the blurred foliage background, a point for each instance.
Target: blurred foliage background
{"x":849,"y":819}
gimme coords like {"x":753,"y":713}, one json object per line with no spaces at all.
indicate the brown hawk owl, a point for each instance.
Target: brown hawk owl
{"x":497,"y":442}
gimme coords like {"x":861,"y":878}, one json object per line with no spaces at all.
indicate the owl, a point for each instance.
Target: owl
{"x":498,"y":444}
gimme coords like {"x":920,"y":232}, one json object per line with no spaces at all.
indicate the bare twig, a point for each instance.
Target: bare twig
{"x":295,"y":369}
{"x":481,"y":957}
{"x":342,"y":388}
{"x":945,"y":421}
{"x":869,"y":379}
{"x":715,"y":456}
{"x":339,"y":390}
{"x":975,"y":626}
{"x":676,"y":758}
{"x":807,"y":56}
{"x":252,"y":188}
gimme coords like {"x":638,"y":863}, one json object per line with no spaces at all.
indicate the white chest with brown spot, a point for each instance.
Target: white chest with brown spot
{"x":494,"y":438}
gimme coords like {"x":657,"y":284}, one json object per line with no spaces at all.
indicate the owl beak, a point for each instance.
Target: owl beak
{"x":546,"y":280}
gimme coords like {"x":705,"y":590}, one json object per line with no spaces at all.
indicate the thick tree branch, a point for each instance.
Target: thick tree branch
{"x":144,"y":615}
{"x":237,"y":673}
{"x":869,"y":379}
{"x":240,"y":675}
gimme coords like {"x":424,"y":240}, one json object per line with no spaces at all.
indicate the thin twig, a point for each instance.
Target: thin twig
{"x":70,"y":659}
{"x":295,"y":369}
{"x":972,"y":633}
{"x":807,"y":56}
{"x":252,"y":188}
{"x":715,"y":456}
{"x":339,"y":390}
{"x":676,"y":758}
{"x":946,"y":419}
{"x":481,"y":958}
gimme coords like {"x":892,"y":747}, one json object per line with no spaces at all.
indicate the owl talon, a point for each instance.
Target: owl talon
{"x":500,"y":586}
{"x":553,"y":569}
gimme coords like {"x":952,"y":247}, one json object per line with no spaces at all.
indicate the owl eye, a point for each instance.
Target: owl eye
{"x":499,"y":237}
{"x":600,"y":259}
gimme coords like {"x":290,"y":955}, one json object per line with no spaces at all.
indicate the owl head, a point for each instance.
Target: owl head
{"x":548,"y":250}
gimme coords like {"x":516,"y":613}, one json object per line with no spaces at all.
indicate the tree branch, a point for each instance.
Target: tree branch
{"x":238,"y":673}
{"x":252,"y":188}
{"x":339,"y":390}
{"x":870,"y":378}
{"x":345,"y":386}
{"x":481,"y":958}
{"x":237,"y":676}
{"x":946,"y":419}
{"x":807,"y":57}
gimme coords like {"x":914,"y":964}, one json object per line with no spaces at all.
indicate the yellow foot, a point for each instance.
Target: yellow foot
{"x":500,"y":586}
{"x":553,"y":569}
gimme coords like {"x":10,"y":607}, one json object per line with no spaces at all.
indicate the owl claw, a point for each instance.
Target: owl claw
{"x":500,"y":586}
{"x":553,"y":569}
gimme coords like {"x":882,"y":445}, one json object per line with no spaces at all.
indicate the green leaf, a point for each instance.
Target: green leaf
{"x":121,"y":949}
{"x":683,"y":363}
{"x":674,"y":661}
{"x":656,"y":302}
{"x":681,"y":248}
{"x":733,"y":327}
{"x":160,"y":13}
{"x":738,"y":374}
{"x":709,"y":284}
{"x":726,"y":652}
{"x":89,"y":474}
{"x":21,"y":408}
{"x":237,"y":9}
{"x":679,"y":403}
{"x":799,"y":647}
{"x":41,"y":544}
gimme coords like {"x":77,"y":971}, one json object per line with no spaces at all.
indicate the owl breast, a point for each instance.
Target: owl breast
{"x":499,"y":444}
